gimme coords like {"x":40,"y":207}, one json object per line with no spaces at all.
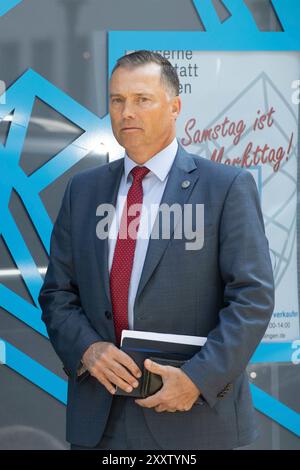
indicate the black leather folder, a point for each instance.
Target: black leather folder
{"x":165,"y":349}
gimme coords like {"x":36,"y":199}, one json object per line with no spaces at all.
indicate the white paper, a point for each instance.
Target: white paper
{"x":168,"y":338}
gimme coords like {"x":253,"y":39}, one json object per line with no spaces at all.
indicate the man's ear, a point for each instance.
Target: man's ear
{"x":176,"y":106}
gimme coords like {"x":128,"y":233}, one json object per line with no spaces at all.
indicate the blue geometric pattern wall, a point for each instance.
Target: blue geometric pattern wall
{"x":239,"y":32}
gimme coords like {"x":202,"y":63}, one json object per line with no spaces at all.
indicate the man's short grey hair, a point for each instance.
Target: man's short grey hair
{"x":168,"y":73}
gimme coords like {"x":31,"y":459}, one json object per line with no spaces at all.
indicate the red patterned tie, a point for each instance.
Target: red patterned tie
{"x":124,"y":253}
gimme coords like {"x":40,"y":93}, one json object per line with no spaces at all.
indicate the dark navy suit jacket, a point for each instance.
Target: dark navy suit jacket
{"x":223,"y":291}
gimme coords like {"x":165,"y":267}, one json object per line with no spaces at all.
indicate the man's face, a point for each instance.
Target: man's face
{"x":143,"y":112}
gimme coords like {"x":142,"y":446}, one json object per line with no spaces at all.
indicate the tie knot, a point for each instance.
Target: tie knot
{"x":138,"y":172}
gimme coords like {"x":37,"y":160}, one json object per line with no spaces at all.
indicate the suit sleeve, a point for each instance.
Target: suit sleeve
{"x":69,"y":329}
{"x":246,"y":270}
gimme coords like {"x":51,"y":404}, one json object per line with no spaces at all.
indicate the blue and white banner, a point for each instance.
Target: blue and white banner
{"x":241,"y":108}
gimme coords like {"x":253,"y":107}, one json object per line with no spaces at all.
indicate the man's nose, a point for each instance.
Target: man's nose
{"x":128,"y":110}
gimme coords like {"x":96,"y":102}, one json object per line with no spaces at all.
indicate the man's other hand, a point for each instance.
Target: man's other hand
{"x":178,"y":393}
{"x":111,"y":366}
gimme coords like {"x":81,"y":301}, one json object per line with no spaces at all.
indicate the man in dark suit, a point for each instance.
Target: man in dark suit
{"x":96,"y":285}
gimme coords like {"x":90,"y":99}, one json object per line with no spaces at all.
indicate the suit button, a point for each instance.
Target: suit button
{"x":199,"y":401}
{"x":108,"y":314}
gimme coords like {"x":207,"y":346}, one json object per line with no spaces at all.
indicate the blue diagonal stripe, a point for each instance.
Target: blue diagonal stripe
{"x":6,"y":5}
{"x":276,"y":410}
{"x":35,"y":373}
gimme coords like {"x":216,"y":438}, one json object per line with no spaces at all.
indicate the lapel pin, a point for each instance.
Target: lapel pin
{"x":185,"y":184}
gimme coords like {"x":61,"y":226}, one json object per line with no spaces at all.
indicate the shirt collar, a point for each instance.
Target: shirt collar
{"x":160,"y":164}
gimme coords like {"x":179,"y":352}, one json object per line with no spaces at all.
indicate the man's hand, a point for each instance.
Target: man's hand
{"x":109,"y":365}
{"x":178,"y":393}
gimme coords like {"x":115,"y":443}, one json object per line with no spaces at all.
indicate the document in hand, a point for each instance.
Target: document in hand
{"x":163,"y":348}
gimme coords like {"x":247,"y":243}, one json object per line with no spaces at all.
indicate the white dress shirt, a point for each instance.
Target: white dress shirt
{"x":153,"y":184}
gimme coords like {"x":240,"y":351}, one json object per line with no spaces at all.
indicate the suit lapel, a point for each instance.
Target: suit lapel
{"x":181,"y":170}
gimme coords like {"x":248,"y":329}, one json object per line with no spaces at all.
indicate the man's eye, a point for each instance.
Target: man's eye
{"x":116,"y":100}
{"x":143,"y":99}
